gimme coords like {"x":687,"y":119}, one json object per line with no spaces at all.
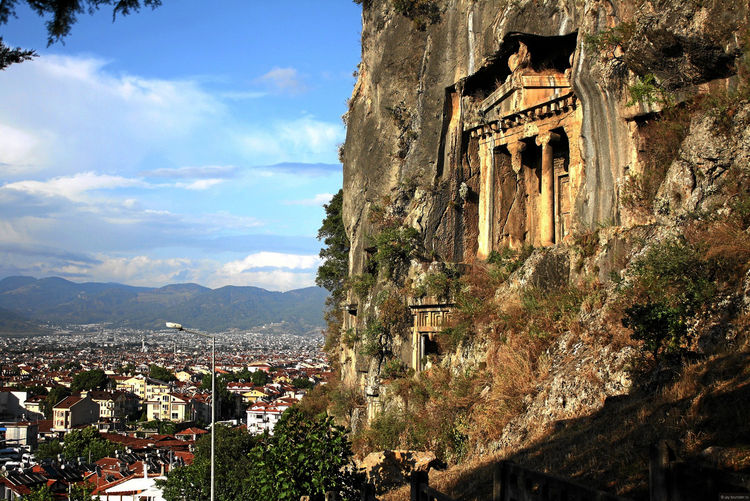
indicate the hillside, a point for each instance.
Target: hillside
{"x":548,"y":204}
{"x":56,"y":300}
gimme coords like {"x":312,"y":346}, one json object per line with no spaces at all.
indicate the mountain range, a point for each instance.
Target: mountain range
{"x":26,"y":302}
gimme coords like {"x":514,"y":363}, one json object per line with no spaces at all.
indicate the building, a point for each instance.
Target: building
{"x":12,"y":403}
{"x":175,"y":407}
{"x":74,"y":411}
{"x":262,"y":417}
{"x":114,"y":405}
{"x":22,"y":433}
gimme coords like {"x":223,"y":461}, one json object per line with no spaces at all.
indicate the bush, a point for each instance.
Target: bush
{"x":393,"y":368}
{"x":508,"y":260}
{"x":350,"y":336}
{"x":362,"y":284}
{"x":671,"y":282}
{"x":606,"y":41}
{"x":395,"y":248}
{"x":421,"y":12}
{"x":443,"y":285}
{"x":396,"y":316}
{"x":304,"y":457}
{"x":373,"y":338}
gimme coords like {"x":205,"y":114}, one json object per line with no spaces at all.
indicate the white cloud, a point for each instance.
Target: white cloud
{"x":145,"y":271}
{"x":286,"y":80}
{"x":271,"y":260}
{"x":317,"y":200}
{"x":20,"y":150}
{"x":73,"y":187}
{"x":92,"y":118}
{"x":91,"y":115}
{"x":200,"y":184}
{"x":202,"y":172}
{"x":276,"y":280}
{"x":303,"y":140}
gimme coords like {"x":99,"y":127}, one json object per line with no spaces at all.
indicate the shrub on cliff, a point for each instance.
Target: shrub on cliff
{"x":671,"y":282}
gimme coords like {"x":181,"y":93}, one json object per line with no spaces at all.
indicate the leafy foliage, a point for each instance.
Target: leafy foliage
{"x":233,"y":467}
{"x":43,"y":493}
{"x":302,"y":383}
{"x":48,"y":450}
{"x":88,"y":442}
{"x":362,"y":283}
{"x":303,"y":457}
{"x":56,"y":394}
{"x":95,"y":379}
{"x":671,"y":282}
{"x":607,"y":41}
{"x":9,"y":55}
{"x":647,"y":90}
{"x":160,"y":373}
{"x":395,"y":248}
{"x":333,"y":272}
{"x":162,"y":427}
{"x":421,"y":12}
{"x":65,"y":13}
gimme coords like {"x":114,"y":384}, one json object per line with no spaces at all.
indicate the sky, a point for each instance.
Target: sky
{"x":196,"y":142}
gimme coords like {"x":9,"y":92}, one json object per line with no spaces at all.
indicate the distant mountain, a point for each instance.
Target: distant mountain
{"x":56,"y":300}
{"x":12,"y":323}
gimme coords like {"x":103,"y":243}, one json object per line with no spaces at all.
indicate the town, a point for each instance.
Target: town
{"x":143,"y":396}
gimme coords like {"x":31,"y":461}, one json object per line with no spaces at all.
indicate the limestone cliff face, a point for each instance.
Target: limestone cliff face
{"x":501,"y":124}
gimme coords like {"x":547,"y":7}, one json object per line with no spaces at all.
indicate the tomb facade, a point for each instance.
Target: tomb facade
{"x":527,"y":133}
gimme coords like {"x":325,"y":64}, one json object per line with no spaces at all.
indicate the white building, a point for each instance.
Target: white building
{"x":263,"y":416}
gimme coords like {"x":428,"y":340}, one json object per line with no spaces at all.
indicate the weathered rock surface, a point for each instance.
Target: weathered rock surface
{"x":510,"y":98}
{"x":388,"y":469}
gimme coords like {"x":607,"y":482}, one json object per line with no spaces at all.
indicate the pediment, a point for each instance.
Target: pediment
{"x":524,"y":97}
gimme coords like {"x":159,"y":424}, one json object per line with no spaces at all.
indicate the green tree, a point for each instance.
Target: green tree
{"x":65,"y":13}
{"x":81,"y":492}
{"x":94,"y":379}
{"x":56,"y":394}
{"x":259,"y":378}
{"x":302,"y":383}
{"x":233,"y":467}
{"x":225,"y":398}
{"x":671,"y":283}
{"x":128,"y":369}
{"x":48,"y":450}
{"x":335,"y":268}
{"x":160,"y":373}
{"x":10,"y":55}
{"x":88,"y":441}
{"x":43,"y":493}
{"x":304,"y":456}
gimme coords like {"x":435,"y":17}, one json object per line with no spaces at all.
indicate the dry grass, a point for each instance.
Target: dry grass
{"x":708,"y":405}
{"x":662,"y":137}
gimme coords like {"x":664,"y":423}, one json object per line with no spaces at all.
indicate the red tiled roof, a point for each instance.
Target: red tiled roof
{"x":68,"y":402}
{"x":191,"y":431}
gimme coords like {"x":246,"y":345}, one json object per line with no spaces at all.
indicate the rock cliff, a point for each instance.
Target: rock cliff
{"x":558,"y":140}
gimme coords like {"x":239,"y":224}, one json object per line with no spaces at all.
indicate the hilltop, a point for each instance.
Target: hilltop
{"x":26,"y":301}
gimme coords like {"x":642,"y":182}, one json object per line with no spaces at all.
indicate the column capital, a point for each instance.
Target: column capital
{"x":545,"y":138}
{"x":515,"y":150}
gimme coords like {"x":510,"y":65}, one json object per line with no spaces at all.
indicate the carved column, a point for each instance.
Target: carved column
{"x":486,"y":195}
{"x":547,"y":199}
{"x":515,"y":150}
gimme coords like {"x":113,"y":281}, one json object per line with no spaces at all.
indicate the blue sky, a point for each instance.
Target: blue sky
{"x":193,"y":143}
